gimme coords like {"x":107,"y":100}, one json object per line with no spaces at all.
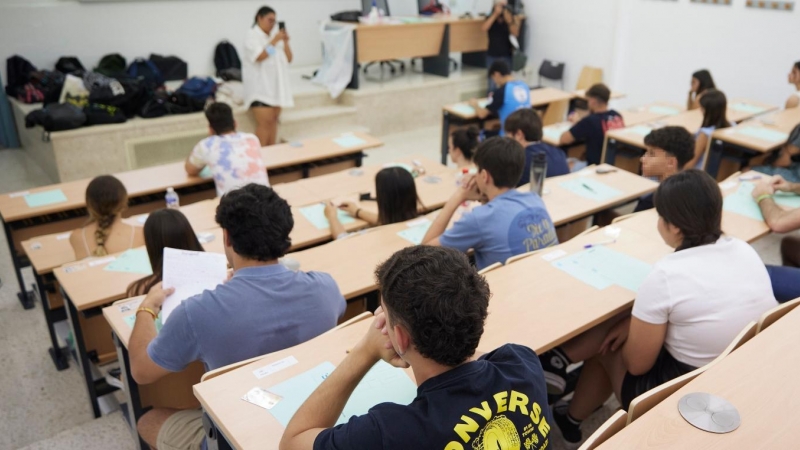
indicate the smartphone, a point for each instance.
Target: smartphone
{"x":282,"y":26}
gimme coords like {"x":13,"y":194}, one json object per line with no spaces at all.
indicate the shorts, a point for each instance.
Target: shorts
{"x":665,"y":369}
{"x":258,"y":104}
{"x":182,"y":431}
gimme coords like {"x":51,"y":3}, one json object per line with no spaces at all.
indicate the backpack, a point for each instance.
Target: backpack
{"x":226,"y":57}
{"x":29,"y":94}
{"x":127,"y":94}
{"x":69,"y":65}
{"x":103,"y":114}
{"x":182,"y":103}
{"x":57,"y":117}
{"x":198,"y":88}
{"x":141,"y":68}
{"x":111,"y":65}
{"x":347,"y":16}
{"x":50,"y":82}
{"x":18,"y":71}
{"x":154,"y":107}
{"x":171,"y":67}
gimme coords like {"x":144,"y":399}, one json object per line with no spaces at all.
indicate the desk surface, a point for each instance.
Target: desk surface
{"x":782,"y":121}
{"x":553,"y":306}
{"x":539,"y":97}
{"x":759,"y":379}
{"x":248,"y":426}
{"x":156,"y":179}
{"x":581,"y":93}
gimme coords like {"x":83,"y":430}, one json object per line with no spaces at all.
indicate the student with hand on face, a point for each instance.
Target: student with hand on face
{"x":668,"y":151}
{"x":433,"y":309}
{"x":509,"y":224}
{"x":525,"y":127}
{"x":794,"y":79}
{"x":105,"y":233}
{"x":687,"y":311}
{"x":509,"y":95}
{"x":592,"y":128}
{"x":263,"y":308}
{"x":714,"y":105}
{"x":701,"y":82}
{"x":463,"y":143}
{"x":501,"y":24}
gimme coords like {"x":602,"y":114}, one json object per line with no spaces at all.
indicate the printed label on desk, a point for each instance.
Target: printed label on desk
{"x":275,"y":367}
{"x":76,"y":268}
{"x":19,"y":194}
{"x":101,"y":261}
{"x":63,"y":236}
{"x":554,"y":255}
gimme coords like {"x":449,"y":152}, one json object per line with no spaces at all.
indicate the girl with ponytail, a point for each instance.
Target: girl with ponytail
{"x":105,"y":233}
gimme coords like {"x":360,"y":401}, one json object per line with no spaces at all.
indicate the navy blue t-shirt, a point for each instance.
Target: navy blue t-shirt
{"x":645,"y":203}
{"x":556,"y":161}
{"x":592,"y":130}
{"x":498,"y":401}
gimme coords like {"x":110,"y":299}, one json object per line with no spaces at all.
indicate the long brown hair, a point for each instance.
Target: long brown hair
{"x":715,"y":109}
{"x":396,"y":194}
{"x":106,"y":198}
{"x":163,"y":228}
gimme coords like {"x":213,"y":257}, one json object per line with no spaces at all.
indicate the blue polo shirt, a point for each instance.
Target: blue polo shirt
{"x":259,"y":311}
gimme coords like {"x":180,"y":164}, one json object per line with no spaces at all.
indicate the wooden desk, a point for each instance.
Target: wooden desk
{"x":172,"y":391}
{"x":554,"y":307}
{"x":146,"y":189}
{"x":453,"y":117}
{"x":759,"y":379}
{"x":245,"y":426}
{"x":581,"y":94}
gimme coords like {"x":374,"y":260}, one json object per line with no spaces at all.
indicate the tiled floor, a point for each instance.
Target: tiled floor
{"x":41,"y":408}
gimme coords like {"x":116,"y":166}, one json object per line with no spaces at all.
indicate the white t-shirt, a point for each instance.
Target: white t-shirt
{"x":234,"y":160}
{"x":706,"y":295}
{"x":266,"y":81}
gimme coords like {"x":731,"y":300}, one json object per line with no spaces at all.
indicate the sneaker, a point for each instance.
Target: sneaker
{"x":569,"y":429}
{"x":554,"y":365}
{"x":114,"y":378}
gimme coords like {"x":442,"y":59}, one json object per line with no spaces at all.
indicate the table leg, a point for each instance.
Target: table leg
{"x":445,"y":136}
{"x":611,"y":151}
{"x":215,"y":438}
{"x":133,"y":405}
{"x":439,"y":64}
{"x":57,"y":353}
{"x":354,"y":81}
{"x":24,"y":296}
{"x":714,"y":158}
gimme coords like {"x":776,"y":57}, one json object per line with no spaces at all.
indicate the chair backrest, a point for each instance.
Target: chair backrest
{"x":363,"y":316}
{"x":488,"y":269}
{"x":589,"y":230}
{"x":556,"y":113}
{"x":589,"y":77}
{"x":771,"y":316}
{"x":745,"y":335}
{"x":521,"y":256}
{"x":551,"y":70}
{"x":625,"y":217}
{"x":609,"y":428}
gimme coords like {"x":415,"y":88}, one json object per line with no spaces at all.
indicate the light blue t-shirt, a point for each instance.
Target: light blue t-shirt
{"x":508,"y":98}
{"x":511,"y":224}
{"x":259,"y":311}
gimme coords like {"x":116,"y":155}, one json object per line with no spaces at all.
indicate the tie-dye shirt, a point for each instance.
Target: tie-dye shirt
{"x":234,"y":160}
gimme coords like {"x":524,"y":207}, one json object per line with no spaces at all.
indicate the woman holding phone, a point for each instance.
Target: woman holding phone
{"x":266,"y":73}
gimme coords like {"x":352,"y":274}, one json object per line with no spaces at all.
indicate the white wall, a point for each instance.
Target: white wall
{"x":44,"y":30}
{"x":649,"y":48}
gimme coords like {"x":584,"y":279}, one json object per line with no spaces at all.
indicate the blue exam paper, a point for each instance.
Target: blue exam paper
{"x":665,"y":110}
{"x":132,"y":261}
{"x":45,"y":198}
{"x":464,"y":109}
{"x":742,"y":202}
{"x":641,"y":130}
{"x":416,"y":233}
{"x":554,"y":132}
{"x":349,"y":140}
{"x":764,"y":134}
{"x":383,"y":383}
{"x":590,"y":188}
{"x":788,"y":200}
{"x":316,"y":215}
{"x":130,"y":320}
{"x":601,"y":267}
{"x":748,"y":108}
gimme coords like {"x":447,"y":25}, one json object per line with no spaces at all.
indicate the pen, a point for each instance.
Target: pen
{"x":610,"y":241}
{"x":587,"y":187}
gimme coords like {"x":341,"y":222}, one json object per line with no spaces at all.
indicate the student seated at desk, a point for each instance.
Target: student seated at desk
{"x":395,"y":194}
{"x":509,"y":223}
{"x":715,"y":109}
{"x":525,"y":127}
{"x":163,"y":228}
{"x":432,"y":315}
{"x":784,"y":162}
{"x":592,"y":129}
{"x":794,"y":79}
{"x":263,"y":308}
{"x":105,"y":233}
{"x":234,"y":158}
{"x":687,"y":311}
{"x":667,"y":151}
{"x":510,"y":95}
{"x":701,"y":82}
{"x":462,"y":145}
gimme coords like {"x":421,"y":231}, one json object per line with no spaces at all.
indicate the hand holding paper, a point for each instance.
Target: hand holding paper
{"x":190,"y":273}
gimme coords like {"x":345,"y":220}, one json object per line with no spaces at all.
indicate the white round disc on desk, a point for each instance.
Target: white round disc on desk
{"x":709,"y":412}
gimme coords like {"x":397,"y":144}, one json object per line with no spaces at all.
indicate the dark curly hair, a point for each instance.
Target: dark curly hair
{"x":676,"y":141}
{"x":442,"y":301}
{"x":258,"y":222}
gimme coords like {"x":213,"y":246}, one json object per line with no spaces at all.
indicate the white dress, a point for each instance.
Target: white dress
{"x":266,"y":81}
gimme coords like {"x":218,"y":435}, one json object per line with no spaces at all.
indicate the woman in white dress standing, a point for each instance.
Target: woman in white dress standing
{"x":266,"y":74}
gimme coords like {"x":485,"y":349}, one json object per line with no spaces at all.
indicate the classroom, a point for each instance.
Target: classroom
{"x":399,"y":224}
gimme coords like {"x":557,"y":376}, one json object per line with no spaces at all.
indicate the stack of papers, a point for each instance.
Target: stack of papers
{"x":45,"y":198}
{"x":132,"y":261}
{"x":601,"y":267}
{"x":316,"y":215}
{"x":190,"y":273}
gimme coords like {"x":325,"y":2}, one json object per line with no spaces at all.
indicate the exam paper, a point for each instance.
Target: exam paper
{"x":190,"y":273}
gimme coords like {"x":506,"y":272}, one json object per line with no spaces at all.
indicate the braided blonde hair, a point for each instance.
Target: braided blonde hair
{"x":106,"y":198}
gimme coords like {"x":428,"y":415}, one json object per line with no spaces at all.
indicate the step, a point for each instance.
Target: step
{"x":317,"y":121}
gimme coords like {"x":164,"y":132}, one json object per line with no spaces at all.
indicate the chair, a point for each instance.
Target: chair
{"x":521,"y":256}
{"x":488,"y":269}
{"x":366,"y":7}
{"x":553,"y":71}
{"x":589,"y":76}
{"x":772,"y":316}
{"x":653,"y":397}
{"x":589,"y":230}
{"x":625,"y":217}
{"x":612,"y":426}
{"x":555,"y":113}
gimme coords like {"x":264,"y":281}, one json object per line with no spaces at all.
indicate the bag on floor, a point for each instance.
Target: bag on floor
{"x":18,"y":71}
{"x":70,"y":65}
{"x":198,"y":88}
{"x":57,"y":117}
{"x":172,"y":68}
{"x":103,"y":114}
{"x":227,"y":62}
{"x":112,"y":65}
{"x":147,"y":71}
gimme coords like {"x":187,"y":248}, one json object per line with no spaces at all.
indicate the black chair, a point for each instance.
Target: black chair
{"x":392,"y":64}
{"x":551,"y":71}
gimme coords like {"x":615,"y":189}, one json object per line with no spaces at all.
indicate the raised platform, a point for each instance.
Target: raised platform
{"x":384,"y":104}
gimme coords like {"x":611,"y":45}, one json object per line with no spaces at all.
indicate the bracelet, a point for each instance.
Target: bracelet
{"x":358,"y":211}
{"x":270,"y":50}
{"x":762,"y":198}
{"x":148,"y":311}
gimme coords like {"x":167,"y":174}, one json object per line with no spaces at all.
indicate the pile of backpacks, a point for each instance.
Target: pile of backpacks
{"x":113,"y":92}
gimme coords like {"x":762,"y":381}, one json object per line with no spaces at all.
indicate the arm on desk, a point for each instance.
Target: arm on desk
{"x":143,"y":369}
{"x":566,"y":138}
{"x":793,"y":102}
{"x":191,"y":169}
{"x":778,"y":219}
{"x":337,"y":229}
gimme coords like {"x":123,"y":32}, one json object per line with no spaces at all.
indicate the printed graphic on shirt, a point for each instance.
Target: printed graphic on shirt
{"x":531,"y":230}
{"x":521,"y":94}
{"x":235,"y":160}
{"x":509,"y":421}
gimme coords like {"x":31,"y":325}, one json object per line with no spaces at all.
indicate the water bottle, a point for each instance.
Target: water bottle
{"x":173,"y":202}
{"x":538,"y":173}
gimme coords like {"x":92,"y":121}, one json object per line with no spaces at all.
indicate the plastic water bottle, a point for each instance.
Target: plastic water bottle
{"x":173,"y":202}
{"x":538,"y":173}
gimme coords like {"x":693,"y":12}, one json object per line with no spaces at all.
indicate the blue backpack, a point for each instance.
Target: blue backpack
{"x":198,"y":88}
{"x":141,"y":68}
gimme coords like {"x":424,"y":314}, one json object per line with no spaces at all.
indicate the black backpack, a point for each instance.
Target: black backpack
{"x":347,"y":16}
{"x":226,"y":57}
{"x":69,"y":65}
{"x":18,"y":70}
{"x":146,"y":71}
{"x":112,"y":65}
{"x":57,"y":117}
{"x":155,"y":107}
{"x":130,"y":98}
{"x":103,"y":114}
{"x":183,"y":103}
{"x":172,"y":68}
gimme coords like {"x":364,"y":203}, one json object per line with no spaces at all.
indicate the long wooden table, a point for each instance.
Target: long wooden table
{"x":146,"y":189}
{"x":759,"y":379}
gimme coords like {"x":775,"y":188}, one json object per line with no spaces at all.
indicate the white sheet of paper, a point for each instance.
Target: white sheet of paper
{"x":190,"y":273}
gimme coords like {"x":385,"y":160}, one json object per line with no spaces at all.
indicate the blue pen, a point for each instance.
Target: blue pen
{"x":598,"y":244}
